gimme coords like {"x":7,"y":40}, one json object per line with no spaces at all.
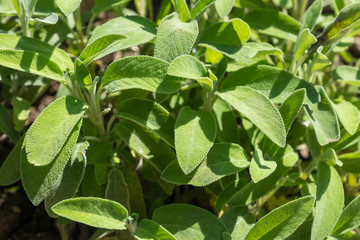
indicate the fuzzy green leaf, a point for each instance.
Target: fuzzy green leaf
{"x":142,"y":72}
{"x":273,"y":82}
{"x":347,"y":74}
{"x":150,"y":115}
{"x":40,"y":181}
{"x":351,"y":162}
{"x":223,"y":7}
{"x":187,"y":222}
{"x":195,"y":134}
{"x":304,"y":41}
{"x":273,"y":23}
{"x":71,"y":179}
{"x":10,"y":169}
{"x":324,"y":119}
{"x":182,"y":34}
{"x":95,"y":212}
{"x":226,"y":37}
{"x":7,"y":125}
{"x":238,"y":221}
{"x":104,"y":5}
{"x":222,"y":160}
{"x":281,"y":222}
{"x":329,"y":201}
{"x":68,"y":6}
{"x":259,"y":110}
{"x":21,"y":112}
{"x":138,"y":31}
{"x":184,"y":12}
{"x":350,"y":217}
{"x":49,"y":132}
{"x":311,"y":15}
{"x":348,"y":115}
{"x":148,"y":229}
{"x":259,"y":167}
{"x":117,"y":189}
{"x":200,"y":7}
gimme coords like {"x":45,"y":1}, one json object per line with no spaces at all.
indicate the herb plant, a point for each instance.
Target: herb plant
{"x":221,"y":119}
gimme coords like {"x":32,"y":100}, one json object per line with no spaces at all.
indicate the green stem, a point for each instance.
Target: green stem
{"x":272,"y":192}
{"x":78,"y":26}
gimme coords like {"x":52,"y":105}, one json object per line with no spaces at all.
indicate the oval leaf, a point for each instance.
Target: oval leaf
{"x":259,"y":167}
{"x":68,"y":6}
{"x":187,"y":222}
{"x":148,"y":229}
{"x":238,"y":221}
{"x":282,"y":221}
{"x":95,"y":212}
{"x":259,"y":110}
{"x":348,"y":115}
{"x":350,"y":217}
{"x":329,"y":201}
{"x":49,"y":132}
{"x":347,"y":74}
{"x":195,"y":133}
{"x":142,"y":72}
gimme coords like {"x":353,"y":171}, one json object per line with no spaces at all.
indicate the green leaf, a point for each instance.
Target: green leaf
{"x":82,"y":74}
{"x":284,"y":3}
{"x":347,"y":74}
{"x":319,"y":61}
{"x":311,"y":15}
{"x":40,"y":181}
{"x":348,"y":19}
{"x":273,"y":82}
{"x":238,"y":221}
{"x":348,"y":115}
{"x":227,"y":130}
{"x":226,"y":37}
{"x":187,"y":222}
{"x":68,"y":6}
{"x":273,"y":23}
{"x":182,"y":34}
{"x":7,"y":125}
{"x":100,"y":46}
{"x":104,"y":5}
{"x":10,"y":169}
{"x":259,"y":167}
{"x":95,"y":212}
{"x":285,"y":159}
{"x":258,"y":50}
{"x":349,"y":219}
{"x":184,"y":11}
{"x":117,"y":188}
{"x":138,"y":31}
{"x":200,"y":7}
{"x":259,"y":110}
{"x":33,"y":56}
{"x":282,"y":221}
{"x":304,"y":41}
{"x":187,"y":66}
{"x":351,"y":162}
{"x":21,"y":111}
{"x":145,"y":143}
{"x":222,"y":160}
{"x":49,"y":132}
{"x":38,"y":23}
{"x":148,"y":229}
{"x":223,"y":7}
{"x":324,"y":120}
{"x":150,"y":115}
{"x":142,"y":72}
{"x":71,"y":179}
{"x":195,"y":134}
{"x":329,"y":201}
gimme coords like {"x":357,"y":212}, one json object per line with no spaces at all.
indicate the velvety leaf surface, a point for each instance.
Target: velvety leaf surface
{"x":195,"y":134}
{"x":348,"y":115}
{"x":182,"y":34}
{"x":142,"y":72}
{"x":304,"y":41}
{"x":347,"y":74}
{"x":259,"y":110}
{"x":259,"y":167}
{"x":350,"y":217}
{"x":40,"y":181}
{"x":117,"y":189}
{"x":138,"y":30}
{"x":68,"y":6}
{"x":150,"y":115}
{"x":273,"y":82}
{"x":222,"y":160}
{"x":311,"y":15}
{"x":148,"y":229}
{"x":329,"y":201}
{"x":226,"y":37}
{"x":96,"y":212}
{"x":71,"y":179}
{"x":10,"y":169}
{"x":324,"y":120}
{"x":282,"y":221}
{"x":238,"y":221}
{"x":223,"y":7}
{"x":273,"y":23}
{"x":49,"y":132}
{"x":187,"y":222}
